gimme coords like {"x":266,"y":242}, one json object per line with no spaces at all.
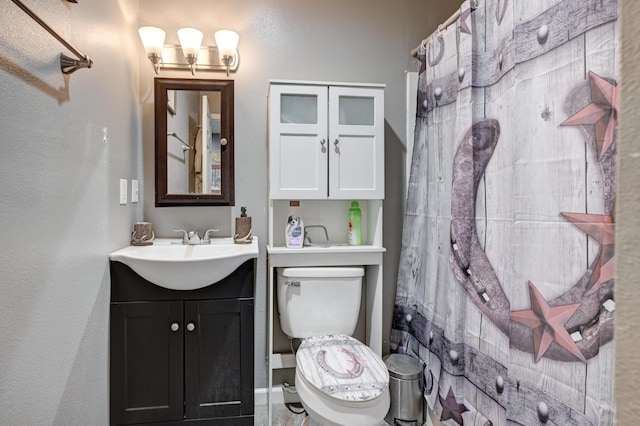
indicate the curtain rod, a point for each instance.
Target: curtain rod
{"x":441,"y":27}
{"x":67,"y":64}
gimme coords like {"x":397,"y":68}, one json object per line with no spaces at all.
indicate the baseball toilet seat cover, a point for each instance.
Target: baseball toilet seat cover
{"x":342,"y":367}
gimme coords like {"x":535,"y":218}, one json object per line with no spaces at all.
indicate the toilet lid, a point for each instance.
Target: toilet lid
{"x":341,"y":367}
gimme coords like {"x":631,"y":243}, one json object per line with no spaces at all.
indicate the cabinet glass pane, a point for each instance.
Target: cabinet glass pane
{"x":299,"y":109}
{"x":356,"y":110}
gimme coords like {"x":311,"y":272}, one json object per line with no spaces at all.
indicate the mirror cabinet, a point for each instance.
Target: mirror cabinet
{"x":194,"y":142}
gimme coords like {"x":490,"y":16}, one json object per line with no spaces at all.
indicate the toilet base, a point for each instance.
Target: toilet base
{"x":322,"y":412}
{"x":308,"y":421}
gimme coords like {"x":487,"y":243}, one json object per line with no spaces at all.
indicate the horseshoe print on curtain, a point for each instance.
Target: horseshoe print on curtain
{"x":505,"y":284}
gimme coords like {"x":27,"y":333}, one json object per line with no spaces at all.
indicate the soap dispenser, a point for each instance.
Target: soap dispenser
{"x":243,"y":228}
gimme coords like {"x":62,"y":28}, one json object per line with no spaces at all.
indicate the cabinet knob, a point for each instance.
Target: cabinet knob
{"x":322,"y":142}
{"x":223,"y":141}
{"x":335,"y":144}
{"x":175,"y":326}
{"x":191,"y":326}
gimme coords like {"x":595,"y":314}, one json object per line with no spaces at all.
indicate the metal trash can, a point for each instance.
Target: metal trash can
{"x":405,"y":388}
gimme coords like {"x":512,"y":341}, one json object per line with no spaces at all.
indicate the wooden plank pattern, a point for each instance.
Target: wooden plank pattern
{"x":426,"y":339}
{"x":529,"y":84}
{"x":564,"y":21}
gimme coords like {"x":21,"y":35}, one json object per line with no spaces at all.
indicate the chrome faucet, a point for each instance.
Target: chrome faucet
{"x":205,"y":238}
{"x":191,"y":237}
{"x":307,"y":240}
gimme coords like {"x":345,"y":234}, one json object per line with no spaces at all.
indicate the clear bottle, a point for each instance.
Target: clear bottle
{"x":354,"y":237}
{"x":294,"y":230}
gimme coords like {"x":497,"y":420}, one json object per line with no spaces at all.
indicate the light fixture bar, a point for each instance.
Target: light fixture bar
{"x":67,"y":64}
{"x":208,"y":59}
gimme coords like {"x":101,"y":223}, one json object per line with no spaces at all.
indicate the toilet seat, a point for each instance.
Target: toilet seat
{"x":341,"y":381}
{"x":342,"y":369}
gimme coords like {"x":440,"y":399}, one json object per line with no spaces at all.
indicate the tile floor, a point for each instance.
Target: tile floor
{"x":281,"y":416}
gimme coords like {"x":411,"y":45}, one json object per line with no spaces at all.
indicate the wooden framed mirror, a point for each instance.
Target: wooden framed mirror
{"x":194,"y":142}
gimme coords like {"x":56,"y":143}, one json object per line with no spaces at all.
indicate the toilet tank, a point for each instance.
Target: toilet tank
{"x":318,"y":301}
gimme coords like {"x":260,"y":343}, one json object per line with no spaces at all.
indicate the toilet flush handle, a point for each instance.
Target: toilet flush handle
{"x":292,"y":283}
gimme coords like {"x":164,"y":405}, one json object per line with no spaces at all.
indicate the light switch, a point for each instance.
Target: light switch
{"x":134,"y":190}
{"x":123,"y":191}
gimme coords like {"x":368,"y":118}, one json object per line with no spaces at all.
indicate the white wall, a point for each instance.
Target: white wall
{"x":333,"y":40}
{"x":59,"y":207}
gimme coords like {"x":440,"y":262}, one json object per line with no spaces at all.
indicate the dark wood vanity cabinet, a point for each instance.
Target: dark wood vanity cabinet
{"x":182,"y":356}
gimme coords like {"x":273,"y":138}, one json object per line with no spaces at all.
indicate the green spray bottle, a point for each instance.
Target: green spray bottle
{"x":355,"y":230}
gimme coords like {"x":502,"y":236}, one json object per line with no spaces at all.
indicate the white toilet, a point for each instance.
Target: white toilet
{"x":340,"y":380}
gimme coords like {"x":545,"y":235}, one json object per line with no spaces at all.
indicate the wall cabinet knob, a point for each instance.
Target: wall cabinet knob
{"x":175,"y":326}
{"x":191,"y":326}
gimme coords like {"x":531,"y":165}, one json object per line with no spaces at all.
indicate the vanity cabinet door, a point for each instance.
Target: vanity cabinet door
{"x":219,"y":359}
{"x":146,"y":362}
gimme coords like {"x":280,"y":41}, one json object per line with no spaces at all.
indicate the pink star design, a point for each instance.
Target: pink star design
{"x":602,"y":112}
{"x":607,"y":273}
{"x":451,"y":409}
{"x":359,"y":364}
{"x":547,"y":323}
{"x":602,"y":229}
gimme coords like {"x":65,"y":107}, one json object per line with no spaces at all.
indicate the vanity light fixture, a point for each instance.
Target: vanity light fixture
{"x":227,"y":42}
{"x":153,"y":41}
{"x":190,"y":40}
{"x":190,"y":54}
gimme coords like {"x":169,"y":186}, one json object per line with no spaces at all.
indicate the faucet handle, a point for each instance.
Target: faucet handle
{"x":205,"y":237}
{"x":185,"y":235}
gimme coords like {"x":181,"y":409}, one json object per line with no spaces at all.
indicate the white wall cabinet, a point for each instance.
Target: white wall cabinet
{"x":326,"y":141}
{"x":326,"y":148}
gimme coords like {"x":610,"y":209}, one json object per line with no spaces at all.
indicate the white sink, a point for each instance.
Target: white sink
{"x":170,"y":264}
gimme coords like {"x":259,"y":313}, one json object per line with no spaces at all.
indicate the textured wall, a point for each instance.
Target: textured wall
{"x":628,"y":220}
{"x":59,"y":207}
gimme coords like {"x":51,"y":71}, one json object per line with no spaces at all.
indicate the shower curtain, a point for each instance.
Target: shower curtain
{"x":505,"y":283}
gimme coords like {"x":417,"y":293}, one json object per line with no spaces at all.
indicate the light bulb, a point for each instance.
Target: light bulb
{"x":190,"y":40}
{"x":152,"y":39}
{"x":227,"y":42}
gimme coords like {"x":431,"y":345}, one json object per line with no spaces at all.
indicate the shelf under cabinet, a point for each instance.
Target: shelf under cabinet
{"x":325,"y":256}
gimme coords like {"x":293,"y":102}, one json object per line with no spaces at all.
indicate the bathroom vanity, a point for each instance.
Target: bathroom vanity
{"x":182,"y":356}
